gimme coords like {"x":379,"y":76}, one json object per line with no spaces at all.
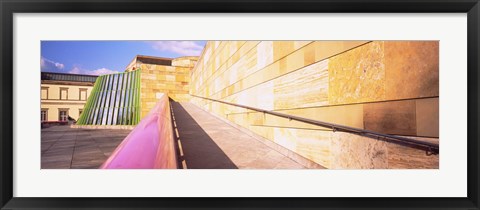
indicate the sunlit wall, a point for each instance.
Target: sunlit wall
{"x":389,"y":87}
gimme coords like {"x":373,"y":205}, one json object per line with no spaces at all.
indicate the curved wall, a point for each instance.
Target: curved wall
{"x":114,"y":100}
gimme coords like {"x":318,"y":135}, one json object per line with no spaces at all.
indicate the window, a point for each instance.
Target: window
{"x":44,"y":92}
{"x":43,"y":115}
{"x":63,"y":93}
{"x":62,"y":115}
{"x":83,"y":94}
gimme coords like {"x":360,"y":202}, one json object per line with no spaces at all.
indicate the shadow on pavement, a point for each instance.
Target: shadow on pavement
{"x":198,"y":149}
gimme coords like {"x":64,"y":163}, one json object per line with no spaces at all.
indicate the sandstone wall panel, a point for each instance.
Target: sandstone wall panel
{"x":357,"y":75}
{"x":412,"y":69}
{"x":427,"y":116}
{"x":396,"y":117}
{"x":343,"y":82}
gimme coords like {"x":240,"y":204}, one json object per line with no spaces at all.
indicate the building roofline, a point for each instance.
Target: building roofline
{"x":187,"y":56}
{"x":70,"y":74}
{"x":154,"y":57}
{"x":140,"y":57}
{"x":64,"y":82}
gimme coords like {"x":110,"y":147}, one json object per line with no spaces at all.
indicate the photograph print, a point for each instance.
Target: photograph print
{"x":223,"y":104}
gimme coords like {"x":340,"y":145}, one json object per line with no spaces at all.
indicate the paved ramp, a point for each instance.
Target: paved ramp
{"x":207,"y":142}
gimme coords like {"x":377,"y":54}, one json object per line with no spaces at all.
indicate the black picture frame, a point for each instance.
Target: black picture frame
{"x":10,"y":7}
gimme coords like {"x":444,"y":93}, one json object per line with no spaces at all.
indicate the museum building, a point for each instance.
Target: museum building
{"x":388,"y":88}
{"x":63,"y":96}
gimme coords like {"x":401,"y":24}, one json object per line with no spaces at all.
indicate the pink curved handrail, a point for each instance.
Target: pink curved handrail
{"x":150,"y":145}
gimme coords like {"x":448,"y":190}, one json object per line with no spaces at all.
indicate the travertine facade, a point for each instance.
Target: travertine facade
{"x":385,"y":86}
{"x":162,"y":75}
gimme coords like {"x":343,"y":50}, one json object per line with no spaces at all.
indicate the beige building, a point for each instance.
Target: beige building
{"x":162,"y":75}
{"x":63,"y":96}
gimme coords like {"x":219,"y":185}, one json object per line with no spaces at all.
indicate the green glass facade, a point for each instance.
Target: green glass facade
{"x":114,"y":100}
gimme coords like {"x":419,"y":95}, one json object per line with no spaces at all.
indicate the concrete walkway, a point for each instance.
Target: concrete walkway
{"x":207,"y":142}
{"x":64,"y":147}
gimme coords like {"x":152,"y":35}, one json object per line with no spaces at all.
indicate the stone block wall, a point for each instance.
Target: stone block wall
{"x":159,"y":79}
{"x":186,"y":61}
{"x":385,"y":86}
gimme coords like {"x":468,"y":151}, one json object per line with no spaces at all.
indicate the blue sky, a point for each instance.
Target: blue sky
{"x":104,"y":57}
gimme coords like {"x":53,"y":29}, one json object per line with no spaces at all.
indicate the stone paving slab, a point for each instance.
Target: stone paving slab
{"x":209,"y":143}
{"x":64,"y":147}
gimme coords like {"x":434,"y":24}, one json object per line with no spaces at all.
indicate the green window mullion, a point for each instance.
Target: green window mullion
{"x":110,"y":98}
{"x":92,"y":101}
{"x":87,"y":108}
{"x":137,"y":110}
{"x":134,"y":97}
{"x":115,"y":94}
{"x":126,"y":105}
{"x":125,"y":101}
{"x":130,"y":98}
{"x":115,"y":102}
{"x":105,"y":100}
{"x":119,"y":94}
{"x":137,"y":105}
{"x":100,"y":96}
{"x":119,"y":98}
{"x":123,"y":94}
{"x":96,"y":103}
{"x":114,"y":97}
{"x":131,"y":114}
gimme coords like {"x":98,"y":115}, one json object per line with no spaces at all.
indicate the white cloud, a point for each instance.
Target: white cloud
{"x":75,"y":70}
{"x":101,"y":71}
{"x":49,"y":65}
{"x":190,"y":48}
